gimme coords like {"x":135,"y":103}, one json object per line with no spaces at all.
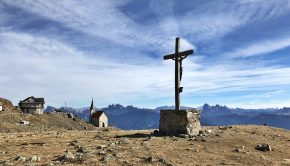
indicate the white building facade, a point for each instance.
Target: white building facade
{"x":32,"y":105}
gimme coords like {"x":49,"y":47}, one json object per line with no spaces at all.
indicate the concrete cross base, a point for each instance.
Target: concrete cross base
{"x":174,"y":122}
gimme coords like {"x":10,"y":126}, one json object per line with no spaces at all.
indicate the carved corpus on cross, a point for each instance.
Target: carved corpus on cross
{"x":178,"y":57}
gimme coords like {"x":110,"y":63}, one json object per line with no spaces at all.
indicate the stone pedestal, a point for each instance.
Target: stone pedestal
{"x":173,"y":122}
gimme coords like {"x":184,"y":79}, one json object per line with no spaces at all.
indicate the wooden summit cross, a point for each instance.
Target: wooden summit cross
{"x":178,"y":57}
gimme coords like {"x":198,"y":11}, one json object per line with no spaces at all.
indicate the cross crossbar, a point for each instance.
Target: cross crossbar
{"x":180,"y":54}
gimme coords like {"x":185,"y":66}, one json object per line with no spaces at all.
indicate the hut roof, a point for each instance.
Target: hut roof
{"x":97,"y":114}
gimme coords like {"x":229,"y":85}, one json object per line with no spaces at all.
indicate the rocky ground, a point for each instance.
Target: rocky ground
{"x":214,"y":146}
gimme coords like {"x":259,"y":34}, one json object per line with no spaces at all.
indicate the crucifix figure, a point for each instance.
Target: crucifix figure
{"x":178,"y":57}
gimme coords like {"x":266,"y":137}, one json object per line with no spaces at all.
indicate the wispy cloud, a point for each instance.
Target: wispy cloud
{"x":213,"y":20}
{"x":41,"y":66}
{"x":50,"y":65}
{"x":235,"y":78}
{"x":206,"y":22}
{"x":260,"y":48}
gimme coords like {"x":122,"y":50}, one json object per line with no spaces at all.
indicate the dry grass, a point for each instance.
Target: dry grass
{"x":140,"y":148}
{"x":41,"y":123}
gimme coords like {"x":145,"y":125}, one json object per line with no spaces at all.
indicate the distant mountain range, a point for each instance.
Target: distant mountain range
{"x":134,"y":118}
{"x":222,"y":115}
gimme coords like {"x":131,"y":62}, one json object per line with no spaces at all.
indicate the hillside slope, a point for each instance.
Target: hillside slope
{"x":8,"y":106}
{"x":46,"y":122}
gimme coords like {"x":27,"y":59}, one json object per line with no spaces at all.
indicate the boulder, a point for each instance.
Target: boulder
{"x":101,"y":147}
{"x":70,"y":115}
{"x":24,"y":122}
{"x":68,"y":155}
{"x":102,"y":153}
{"x":107,"y":158}
{"x":237,"y":150}
{"x":150,"y":159}
{"x":20,"y":158}
{"x":82,"y":150}
{"x":263,"y":147}
{"x":35,"y":158}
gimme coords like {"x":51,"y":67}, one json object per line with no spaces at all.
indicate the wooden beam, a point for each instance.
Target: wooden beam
{"x":177,"y":74}
{"x":180,"y":54}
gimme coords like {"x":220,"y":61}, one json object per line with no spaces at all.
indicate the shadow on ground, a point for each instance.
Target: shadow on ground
{"x":136,"y":135}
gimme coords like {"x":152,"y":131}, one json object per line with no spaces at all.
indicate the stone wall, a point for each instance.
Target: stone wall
{"x":173,"y":122}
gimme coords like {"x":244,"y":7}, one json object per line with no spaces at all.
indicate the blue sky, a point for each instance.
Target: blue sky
{"x":73,"y":50}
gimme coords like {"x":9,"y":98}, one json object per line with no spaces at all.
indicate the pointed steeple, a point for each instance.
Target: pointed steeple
{"x":91,"y":110}
{"x":92,"y":105}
